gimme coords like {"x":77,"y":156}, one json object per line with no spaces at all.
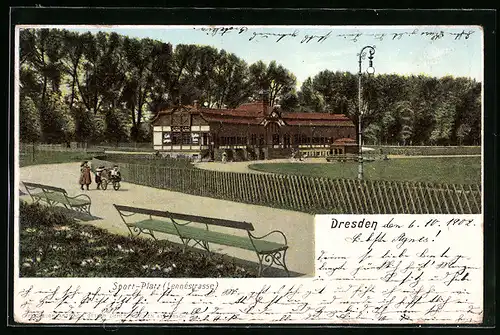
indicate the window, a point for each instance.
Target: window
{"x":286,"y":140}
{"x":176,"y":138}
{"x":276,"y":139}
{"x":253,"y":139}
{"x":195,"y":138}
{"x":166,"y":138}
{"x":186,"y":138}
{"x":241,"y":140}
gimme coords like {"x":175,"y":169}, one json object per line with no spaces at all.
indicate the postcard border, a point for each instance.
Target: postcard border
{"x":485,"y":18}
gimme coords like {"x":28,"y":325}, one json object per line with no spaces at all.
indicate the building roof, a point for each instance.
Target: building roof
{"x":339,"y":123}
{"x":314,"y":116}
{"x":344,"y":140}
{"x":231,"y":112}
{"x":253,"y":113}
{"x":255,"y":107}
{"x":250,"y":116}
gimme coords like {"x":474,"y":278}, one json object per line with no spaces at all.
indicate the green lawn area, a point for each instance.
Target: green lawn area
{"x":53,"y":157}
{"x":454,"y":170}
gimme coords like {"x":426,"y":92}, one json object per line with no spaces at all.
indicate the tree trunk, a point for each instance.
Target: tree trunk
{"x":74,"y":74}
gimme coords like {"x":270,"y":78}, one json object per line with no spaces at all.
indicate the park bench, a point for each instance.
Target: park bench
{"x":183,"y":226}
{"x":56,"y":195}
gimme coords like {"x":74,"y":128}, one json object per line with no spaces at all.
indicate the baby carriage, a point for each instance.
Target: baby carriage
{"x":112,"y":176}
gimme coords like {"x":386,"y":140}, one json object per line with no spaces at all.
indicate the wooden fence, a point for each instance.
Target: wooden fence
{"x":308,"y":194}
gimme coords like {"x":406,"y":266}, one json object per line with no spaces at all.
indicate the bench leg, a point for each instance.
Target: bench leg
{"x":36,"y":200}
{"x":87,"y":209}
{"x":205,"y":245}
{"x":267,"y":260}
{"x":185,"y":242}
{"x":150,"y":233}
{"x":82,"y":209}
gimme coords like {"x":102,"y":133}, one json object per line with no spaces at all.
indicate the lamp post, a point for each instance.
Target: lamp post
{"x":370,"y":70}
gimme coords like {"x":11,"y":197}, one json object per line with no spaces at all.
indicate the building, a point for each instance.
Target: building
{"x":250,"y":131}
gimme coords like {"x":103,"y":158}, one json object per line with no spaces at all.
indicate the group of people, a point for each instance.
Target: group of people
{"x":100,"y":172}
{"x":296,"y":155}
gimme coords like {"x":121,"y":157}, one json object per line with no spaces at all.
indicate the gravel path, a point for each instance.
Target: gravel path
{"x":242,"y":167}
{"x":298,"y":227}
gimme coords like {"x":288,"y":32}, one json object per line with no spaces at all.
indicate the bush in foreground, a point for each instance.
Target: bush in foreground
{"x":54,"y":245}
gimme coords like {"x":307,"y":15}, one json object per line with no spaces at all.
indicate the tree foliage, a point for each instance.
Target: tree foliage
{"x":405,"y":110}
{"x":107,"y":87}
{"x":30,"y":127}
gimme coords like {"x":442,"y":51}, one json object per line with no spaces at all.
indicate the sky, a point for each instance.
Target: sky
{"x":431,"y":50}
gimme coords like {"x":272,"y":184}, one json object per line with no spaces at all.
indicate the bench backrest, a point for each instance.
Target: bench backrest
{"x":187,"y":217}
{"x":45,"y":187}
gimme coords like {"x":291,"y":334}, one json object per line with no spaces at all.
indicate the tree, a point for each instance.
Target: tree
{"x":290,"y":102}
{"x":89,"y":127}
{"x":162,"y":68}
{"x":463,"y":132}
{"x":230,"y":81}
{"x":56,"y":121}
{"x":372,"y":134}
{"x":282,"y":82}
{"x":443,"y":117}
{"x":102,"y":74}
{"x":73,"y":51}
{"x":30,"y":129}
{"x":274,"y":78}
{"x":309,"y":99}
{"x":116,"y":129}
{"x":40,"y":52}
{"x":406,"y":117}
{"x":259,"y":78}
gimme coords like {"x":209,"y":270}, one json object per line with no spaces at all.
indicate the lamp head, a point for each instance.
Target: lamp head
{"x":371,"y":69}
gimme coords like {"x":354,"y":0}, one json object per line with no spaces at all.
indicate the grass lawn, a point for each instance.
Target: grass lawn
{"x":53,"y":157}
{"x":465,"y":170}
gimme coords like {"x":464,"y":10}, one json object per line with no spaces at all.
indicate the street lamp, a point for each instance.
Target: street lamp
{"x":371,"y":71}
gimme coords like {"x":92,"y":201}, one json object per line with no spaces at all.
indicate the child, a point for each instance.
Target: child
{"x":115,"y":174}
{"x":98,"y":176}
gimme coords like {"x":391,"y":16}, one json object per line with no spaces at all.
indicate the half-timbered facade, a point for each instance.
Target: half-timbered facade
{"x":251,"y":131}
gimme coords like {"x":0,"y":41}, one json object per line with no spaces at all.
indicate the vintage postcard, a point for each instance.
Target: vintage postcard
{"x":248,"y":174}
